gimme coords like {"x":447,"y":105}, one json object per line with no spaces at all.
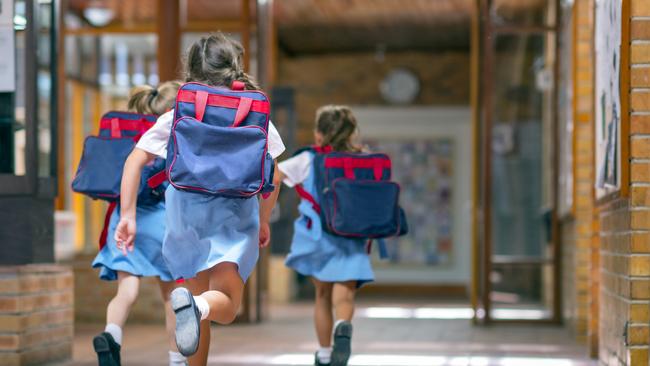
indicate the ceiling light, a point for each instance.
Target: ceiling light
{"x":98,"y":16}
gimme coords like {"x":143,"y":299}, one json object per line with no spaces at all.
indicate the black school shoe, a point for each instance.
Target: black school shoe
{"x":108,"y":351}
{"x":317,"y":361}
{"x":188,"y":321}
{"x":342,"y":348}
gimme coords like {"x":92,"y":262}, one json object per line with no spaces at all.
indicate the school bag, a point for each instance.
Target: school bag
{"x":355,"y":195}
{"x":99,"y":174}
{"x":219,"y":141}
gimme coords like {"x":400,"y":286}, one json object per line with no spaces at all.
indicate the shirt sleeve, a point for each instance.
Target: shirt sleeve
{"x":296,"y":169}
{"x":276,"y":146}
{"x":155,"y":140}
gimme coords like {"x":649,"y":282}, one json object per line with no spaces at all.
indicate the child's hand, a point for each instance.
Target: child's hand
{"x":265,"y":235}
{"x":125,"y":235}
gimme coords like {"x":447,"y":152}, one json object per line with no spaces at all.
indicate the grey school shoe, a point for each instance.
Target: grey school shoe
{"x":108,"y":351}
{"x":342,"y":348}
{"x":188,"y":321}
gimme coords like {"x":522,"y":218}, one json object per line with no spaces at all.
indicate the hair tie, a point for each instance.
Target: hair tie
{"x":152,"y":95}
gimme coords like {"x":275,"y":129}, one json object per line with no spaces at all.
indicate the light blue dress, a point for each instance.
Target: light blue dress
{"x":146,"y":260}
{"x":326,"y":257}
{"x":203,"y":231}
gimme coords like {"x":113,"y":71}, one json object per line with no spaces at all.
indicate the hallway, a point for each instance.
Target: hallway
{"x":388,"y":334}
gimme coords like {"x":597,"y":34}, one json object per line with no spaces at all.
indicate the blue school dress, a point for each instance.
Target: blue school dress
{"x":203,"y":231}
{"x":146,"y":260}
{"x":326,"y":257}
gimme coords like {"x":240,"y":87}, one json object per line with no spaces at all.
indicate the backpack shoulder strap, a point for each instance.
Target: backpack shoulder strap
{"x":315,"y":149}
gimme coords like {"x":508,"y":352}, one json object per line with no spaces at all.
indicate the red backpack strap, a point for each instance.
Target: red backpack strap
{"x":302,"y":193}
{"x":242,"y":110}
{"x":116,"y":132}
{"x":157,"y":179}
{"x":107,"y":219}
{"x":200,"y":103}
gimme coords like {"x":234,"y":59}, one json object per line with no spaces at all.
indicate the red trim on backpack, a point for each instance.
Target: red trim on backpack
{"x":107,"y":220}
{"x":126,"y":124}
{"x":116,"y":133}
{"x":157,"y":179}
{"x":302,"y":193}
{"x":339,"y":162}
{"x":224,"y":101}
{"x":242,"y":110}
{"x":200,"y":101}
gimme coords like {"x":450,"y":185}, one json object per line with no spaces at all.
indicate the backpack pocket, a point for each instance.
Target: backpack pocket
{"x":215,"y":160}
{"x":100,"y":170}
{"x":363,"y":208}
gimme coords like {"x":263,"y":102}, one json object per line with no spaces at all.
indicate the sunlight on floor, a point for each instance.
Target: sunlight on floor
{"x":398,"y":360}
{"x":447,"y":313}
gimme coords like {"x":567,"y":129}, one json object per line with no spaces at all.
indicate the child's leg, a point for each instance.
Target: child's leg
{"x":225,"y":295}
{"x":118,"y":309}
{"x":175,"y":358}
{"x":343,"y":299}
{"x":323,"y":312}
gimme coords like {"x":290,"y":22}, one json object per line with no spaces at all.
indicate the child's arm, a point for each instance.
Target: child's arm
{"x":125,"y":231}
{"x":266,"y":207}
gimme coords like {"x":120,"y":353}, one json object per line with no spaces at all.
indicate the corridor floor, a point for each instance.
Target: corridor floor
{"x":391,"y":335}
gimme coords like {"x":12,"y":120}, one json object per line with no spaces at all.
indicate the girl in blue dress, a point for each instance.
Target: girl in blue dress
{"x":212,"y":242}
{"x":145,"y":260}
{"x":338,"y":266}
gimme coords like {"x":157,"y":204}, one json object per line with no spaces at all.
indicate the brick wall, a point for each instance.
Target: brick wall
{"x":625,"y":223}
{"x":36,"y":314}
{"x":355,"y":79}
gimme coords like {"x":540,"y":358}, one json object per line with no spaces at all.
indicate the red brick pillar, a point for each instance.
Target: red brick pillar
{"x":583,"y":270}
{"x":36,"y":314}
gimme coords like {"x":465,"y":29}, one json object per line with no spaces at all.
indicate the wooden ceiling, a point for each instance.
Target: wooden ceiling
{"x":317,"y":26}
{"x":325,"y":26}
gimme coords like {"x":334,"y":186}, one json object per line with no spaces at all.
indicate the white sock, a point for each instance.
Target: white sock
{"x":324,"y":354}
{"x":176,"y":359}
{"x":115,"y":331}
{"x":336,"y":324}
{"x":204,"y":307}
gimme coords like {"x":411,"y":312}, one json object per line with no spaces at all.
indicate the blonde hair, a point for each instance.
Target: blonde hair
{"x":338,"y":126}
{"x":146,"y":99}
{"x":217,"y":60}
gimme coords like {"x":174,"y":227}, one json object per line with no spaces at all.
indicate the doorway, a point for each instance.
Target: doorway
{"x":516,"y":261}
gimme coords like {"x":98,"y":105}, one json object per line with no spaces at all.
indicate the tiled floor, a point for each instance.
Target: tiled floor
{"x":384,"y":335}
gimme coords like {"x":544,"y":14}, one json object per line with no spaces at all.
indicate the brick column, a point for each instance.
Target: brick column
{"x":36,"y":314}
{"x":625,"y":249}
{"x":581,"y":270}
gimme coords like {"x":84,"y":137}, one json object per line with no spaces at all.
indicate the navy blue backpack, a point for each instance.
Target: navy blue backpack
{"x":356,"y":197}
{"x":219,"y":141}
{"x":99,"y":174}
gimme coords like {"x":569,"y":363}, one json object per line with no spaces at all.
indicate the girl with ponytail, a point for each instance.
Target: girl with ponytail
{"x":146,"y":258}
{"x":338,"y":266}
{"x":212,"y":242}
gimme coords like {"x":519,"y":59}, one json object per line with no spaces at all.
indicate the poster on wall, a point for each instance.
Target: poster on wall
{"x":424,"y":169}
{"x":608,"y":27}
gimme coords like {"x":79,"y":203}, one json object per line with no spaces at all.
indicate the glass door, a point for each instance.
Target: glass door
{"x":517,"y":266}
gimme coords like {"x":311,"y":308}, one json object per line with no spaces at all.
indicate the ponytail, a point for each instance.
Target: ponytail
{"x":218,"y":61}
{"x":339,"y":128}
{"x":146,"y":99}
